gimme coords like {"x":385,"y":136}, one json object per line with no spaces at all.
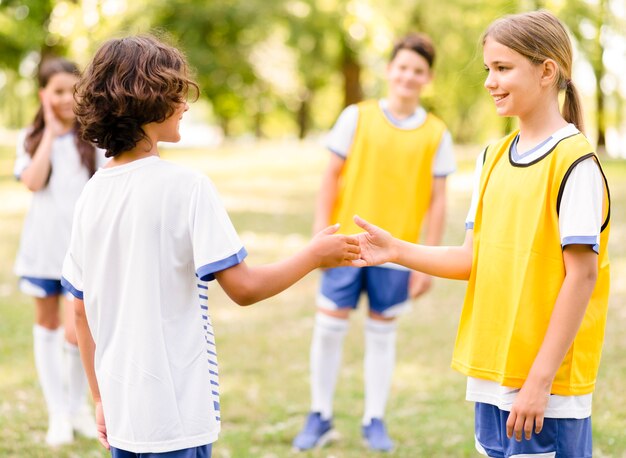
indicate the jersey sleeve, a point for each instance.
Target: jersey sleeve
{"x":341,"y":136}
{"x":216,"y":245}
{"x":444,"y":163}
{"x":580,"y":210}
{"x":22,"y":159}
{"x":471,"y":214}
{"x":72,"y":273}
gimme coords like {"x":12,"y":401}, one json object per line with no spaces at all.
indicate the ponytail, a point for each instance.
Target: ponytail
{"x":572,"y":108}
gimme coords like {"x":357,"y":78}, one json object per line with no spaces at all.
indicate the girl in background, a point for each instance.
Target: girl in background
{"x":54,"y":163}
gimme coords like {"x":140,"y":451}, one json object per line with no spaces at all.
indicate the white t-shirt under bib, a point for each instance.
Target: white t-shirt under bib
{"x":580,"y":219}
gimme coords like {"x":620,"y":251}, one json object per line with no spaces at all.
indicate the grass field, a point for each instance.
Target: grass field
{"x":269,"y":191}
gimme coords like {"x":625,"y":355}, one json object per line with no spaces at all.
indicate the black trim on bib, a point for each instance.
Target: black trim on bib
{"x":515,"y":164}
{"x":606,"y":185}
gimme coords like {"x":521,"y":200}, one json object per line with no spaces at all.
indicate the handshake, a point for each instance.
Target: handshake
{"x":372,"y":247}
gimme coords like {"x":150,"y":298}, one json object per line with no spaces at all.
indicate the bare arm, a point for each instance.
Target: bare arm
{"x":581,"y":271}
{"x":246,"y":285}
{"x":36,"y":175}
{"x":87,"y":349}
{"x":378,"y":247}
{"x":420,"y":282}
{"x":328,"y":193}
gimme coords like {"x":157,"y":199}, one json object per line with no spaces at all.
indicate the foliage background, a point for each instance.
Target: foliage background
{"x":275,"y":68}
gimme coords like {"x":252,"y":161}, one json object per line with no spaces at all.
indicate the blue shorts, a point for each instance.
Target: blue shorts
{"x":387,"y":289}
{"x":202,"y":451}
{"x":560,"y":437}
{"x":42,"y":287}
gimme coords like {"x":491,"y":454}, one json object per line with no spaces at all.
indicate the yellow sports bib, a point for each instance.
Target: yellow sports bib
{"x":518,"y":271}
{"x":388,"y":174}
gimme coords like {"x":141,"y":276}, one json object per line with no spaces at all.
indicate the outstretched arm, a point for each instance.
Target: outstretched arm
{"x":581,"y":271}
{"x":435,"y":222}
{"x":246,"y":285}
{"x":87,"y":349}
{"x":378,"y":247}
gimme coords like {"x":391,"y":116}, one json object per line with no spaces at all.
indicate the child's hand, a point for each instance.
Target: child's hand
{"x":336,"y":250}
{"x":528,"y":411}
{"x":101,"y":426}
{"x":52,"y":123}
{"x":376,"y":243}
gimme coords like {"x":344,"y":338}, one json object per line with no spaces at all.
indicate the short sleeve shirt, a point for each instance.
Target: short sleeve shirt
{"x":147,"y":236}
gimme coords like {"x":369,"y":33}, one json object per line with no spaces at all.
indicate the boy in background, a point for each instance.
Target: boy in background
{"x":389,"y":161}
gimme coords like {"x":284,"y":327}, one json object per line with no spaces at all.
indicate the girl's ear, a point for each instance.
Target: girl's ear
{"x":550,"y":73}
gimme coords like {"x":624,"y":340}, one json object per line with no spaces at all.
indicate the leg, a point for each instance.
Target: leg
{"x":388,"y":294}
{"x":47,"y":346}
{"x":80,"y":412}
{"x":339,"y":294}
{"x":326,"y":351}
{"x":380,"y":359}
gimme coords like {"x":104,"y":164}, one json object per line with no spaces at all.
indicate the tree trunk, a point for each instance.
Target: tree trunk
{"x":303,"y":117}
{"x":598,"y":70}
{"x":351,"y":70}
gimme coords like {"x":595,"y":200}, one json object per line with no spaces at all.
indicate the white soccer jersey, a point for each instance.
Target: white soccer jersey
{"x":147,"y":236}
{"x":580,"y":219}
{"x":48,"y":223}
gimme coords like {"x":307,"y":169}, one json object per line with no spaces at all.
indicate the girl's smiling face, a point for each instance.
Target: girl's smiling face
{"x":513,"y":81}
{"x":60,"y":92}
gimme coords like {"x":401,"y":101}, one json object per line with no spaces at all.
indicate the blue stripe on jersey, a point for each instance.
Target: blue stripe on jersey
{"x":582,"y":240}
{"x":75,"y":292}
{"x":206,"y":272}
{"x":469,"y":225}
{"x":209,"y":337}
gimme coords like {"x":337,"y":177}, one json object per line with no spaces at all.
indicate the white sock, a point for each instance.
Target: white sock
{"x":49,"y":364}
{"x":380,"y":359}
{"x":76,"y":380}
{"x":326,"y":349}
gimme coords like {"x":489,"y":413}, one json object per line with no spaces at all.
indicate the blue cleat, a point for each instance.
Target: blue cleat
{"x":376,"y":437}
{"x":316,"y":433}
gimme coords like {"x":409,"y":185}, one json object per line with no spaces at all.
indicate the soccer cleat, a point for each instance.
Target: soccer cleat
{"x":59,"y":431}
{"x":376,"y":437}
{"x":316,"y":433}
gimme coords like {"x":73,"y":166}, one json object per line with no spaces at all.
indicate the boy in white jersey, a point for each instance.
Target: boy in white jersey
{"x":147,"y":237}
{"x":535,"y":255}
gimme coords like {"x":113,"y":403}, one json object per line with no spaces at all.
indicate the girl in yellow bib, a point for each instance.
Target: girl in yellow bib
{"x":535,"y":254}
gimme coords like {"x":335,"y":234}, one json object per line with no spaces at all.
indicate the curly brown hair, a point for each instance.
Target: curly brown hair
{"x":48,"y":68}
{"x":416,"y":42}
{"x":130,"y":82}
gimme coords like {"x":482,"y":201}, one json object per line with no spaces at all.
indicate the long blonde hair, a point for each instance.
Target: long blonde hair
{"x":538,"y":36}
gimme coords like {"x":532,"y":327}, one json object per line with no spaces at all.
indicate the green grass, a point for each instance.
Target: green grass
{"x":269,"y":190}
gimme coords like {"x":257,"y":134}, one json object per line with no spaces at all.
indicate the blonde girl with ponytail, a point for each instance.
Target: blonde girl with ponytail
{"x":535,"y":254}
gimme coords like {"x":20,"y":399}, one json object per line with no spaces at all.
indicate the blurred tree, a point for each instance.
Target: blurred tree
{"x":218,"y":37}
